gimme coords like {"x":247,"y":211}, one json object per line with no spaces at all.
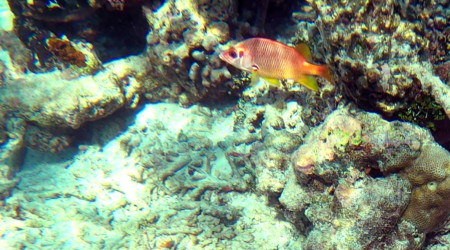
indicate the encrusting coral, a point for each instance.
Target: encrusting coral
{"x":79,"y":56}
{"x":66,"y":52}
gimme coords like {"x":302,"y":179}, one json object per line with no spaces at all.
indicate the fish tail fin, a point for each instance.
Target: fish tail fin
{"x":319,"y":70}
{"x":326,"y":74}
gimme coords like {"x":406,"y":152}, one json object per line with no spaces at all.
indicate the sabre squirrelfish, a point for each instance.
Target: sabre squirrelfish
{"x":272,"y":61}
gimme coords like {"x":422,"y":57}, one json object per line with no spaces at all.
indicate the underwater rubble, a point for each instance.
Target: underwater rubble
{"x":160,"y":183}
{"x":120,"y":127}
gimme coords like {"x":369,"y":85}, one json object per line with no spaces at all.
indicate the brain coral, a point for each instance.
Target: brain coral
{"x":430,"y":176}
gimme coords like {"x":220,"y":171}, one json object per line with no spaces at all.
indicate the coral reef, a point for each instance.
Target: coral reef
{"x":29,"y":20}
{"x":200,"y":168}
{"x":333,"y":167}
{"x":322,"y":171}
{"x":178,"y":65}
{"x":384,"y":57}
{"x":185,"y":45}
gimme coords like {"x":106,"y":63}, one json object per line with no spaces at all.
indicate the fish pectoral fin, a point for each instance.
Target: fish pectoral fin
{"x":272,"y":81}
{"x":255,"y":78}
{"x":308,"y":81}
{"x":303,"y":49}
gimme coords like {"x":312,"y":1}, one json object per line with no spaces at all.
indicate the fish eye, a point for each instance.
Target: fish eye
{"x":233,"y":54}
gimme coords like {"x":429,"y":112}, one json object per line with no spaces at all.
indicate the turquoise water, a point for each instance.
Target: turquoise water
{"x":184,"y":124}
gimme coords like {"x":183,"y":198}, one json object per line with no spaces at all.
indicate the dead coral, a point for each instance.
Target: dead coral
{"x":188,"y":164}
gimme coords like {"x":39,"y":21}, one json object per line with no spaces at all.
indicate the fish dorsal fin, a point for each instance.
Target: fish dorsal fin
{"x":303,"y":49}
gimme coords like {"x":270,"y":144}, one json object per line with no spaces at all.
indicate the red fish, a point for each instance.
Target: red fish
{"x":272,"y":60}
